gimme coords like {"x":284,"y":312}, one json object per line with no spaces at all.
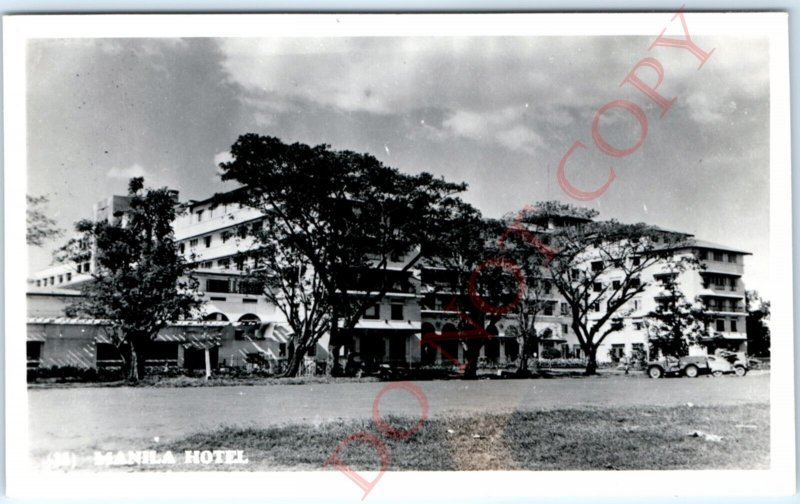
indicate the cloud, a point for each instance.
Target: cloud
{"x":506,"y":127}
{"x":135,"y":170}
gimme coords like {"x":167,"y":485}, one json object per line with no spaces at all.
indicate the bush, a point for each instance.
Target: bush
{"x":551,"y":353}
{"x":67,"y":374}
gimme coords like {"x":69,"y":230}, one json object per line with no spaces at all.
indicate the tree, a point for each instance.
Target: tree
{"x":140,"y":281}
{"x":758,"y":334}
{"x":41,"y":228}
{"x":585,"y":256}
{"x":523,"y":243}
{"x":345,"y":218}
{"x":676,"y":323}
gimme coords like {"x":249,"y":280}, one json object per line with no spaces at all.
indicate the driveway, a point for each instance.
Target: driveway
{"x":125,"y":418}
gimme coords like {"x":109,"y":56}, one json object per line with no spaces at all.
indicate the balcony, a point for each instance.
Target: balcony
{"x":726,"y":268}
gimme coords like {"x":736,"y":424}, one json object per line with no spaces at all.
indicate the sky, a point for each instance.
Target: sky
{"x":496,"y":112}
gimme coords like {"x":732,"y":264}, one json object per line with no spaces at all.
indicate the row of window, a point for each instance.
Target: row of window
{"x":44,"y":282}
{"x":723,"y":304}
{"x":706,"y":255}
{"x":242,"y":231}
{"x":721,"y":282}
{"x":374,"y":312}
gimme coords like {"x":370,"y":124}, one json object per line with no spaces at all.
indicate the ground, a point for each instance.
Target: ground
{"x":607,"y":422}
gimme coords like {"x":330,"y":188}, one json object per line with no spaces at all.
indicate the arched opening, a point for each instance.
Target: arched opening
{"x":216,"y":316}
{"x":428,"y":344}
{"x":249,"y":317}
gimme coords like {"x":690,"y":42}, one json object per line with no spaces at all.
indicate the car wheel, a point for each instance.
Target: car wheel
{"x":740,"y":370}
{"x":691,"y":371}
{"x":717,"y":374}
{"x":654,"y":372}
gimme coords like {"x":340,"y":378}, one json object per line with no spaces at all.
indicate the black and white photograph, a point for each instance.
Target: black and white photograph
{"x":411,"y":254}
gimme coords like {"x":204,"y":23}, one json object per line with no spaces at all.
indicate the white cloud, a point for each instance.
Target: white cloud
{"x":506,"y":127}
{"x":135,"y":170}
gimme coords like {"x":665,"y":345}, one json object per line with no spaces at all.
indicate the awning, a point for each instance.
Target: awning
{"x":392,"y":325}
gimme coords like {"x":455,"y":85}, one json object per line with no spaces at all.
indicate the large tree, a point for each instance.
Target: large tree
{"x":41,"y":228}
{"x":140,"y":281}
{"x":597,"y":268}
{"x":524,"y":243}
{"x":676,"y":323}
{"x":353,"y":223}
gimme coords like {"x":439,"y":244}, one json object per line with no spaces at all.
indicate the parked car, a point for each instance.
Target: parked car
{"x":690,"y":367}
{"x":728,"y":362}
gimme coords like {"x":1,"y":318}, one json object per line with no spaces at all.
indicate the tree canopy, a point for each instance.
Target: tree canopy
{"x":140,"y":281}
{"x":344,"y":217}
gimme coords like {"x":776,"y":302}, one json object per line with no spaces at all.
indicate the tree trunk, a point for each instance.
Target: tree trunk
{"x":295,"y":361}
{"x":591,"y":361}
{"x":471,"y":354}
{"x":136,"y":363}
{"x":335,"y":345}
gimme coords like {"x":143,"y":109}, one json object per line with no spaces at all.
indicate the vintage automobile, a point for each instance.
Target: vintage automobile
{"x":690,"y":367}
{"x":728,"y":362}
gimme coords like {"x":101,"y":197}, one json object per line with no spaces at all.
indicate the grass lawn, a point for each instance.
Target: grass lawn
{"x":569,"y":439}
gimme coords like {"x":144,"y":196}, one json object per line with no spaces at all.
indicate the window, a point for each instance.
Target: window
{"x":217,"y":298}
{"x":181,"y":248}
{"x":78,"y":268}
{"x":282,"y":349}
{"x":240,"y":263}
{"x":373,"y":312}
{"x":256,"y":227}
{"x":548,"y":308}
{"x":732,"y":284}
{"x":718,"y":256}
{"x":597,"y":287}
{"x":397,"y":311}
{"x":225,"y":236}
{"x":596,"y":306}
{"x":703,"y":254}
{"x":635,"y":283}
{"x":224,"y":263}
{"x":60,"y":278}
{"x":615,"y":284}
{"x":637,"y":304}
{"x":638,"y":326}
{"x":207,"y":240}
{"x":38,"y":283}
{"x":249,"y":300}
{"x":86,"y":267}
{"x":547,"y":286}
{"x":217,"y":286}
{"x":732,"y":258}
{"x":597,"y":266}
{"x":733,"y":326}
{"x":719,"y":281}
{"x":69,"y":277}
{"x":564,"y":329}
{"x":52,"y":280}
{"x":193,"y":243}
{"x":564,"y":309}
{"x":720,"y":325}
{"x":206,"y":265}
{"x":636,"y":260}
{"x":199,"y":215}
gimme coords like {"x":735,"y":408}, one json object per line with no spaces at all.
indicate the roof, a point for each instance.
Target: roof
{"x":716,"y":246}
{"x":89,"y":321}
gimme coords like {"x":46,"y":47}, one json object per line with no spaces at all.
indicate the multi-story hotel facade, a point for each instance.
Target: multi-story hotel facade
{"x":215,"y":238}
